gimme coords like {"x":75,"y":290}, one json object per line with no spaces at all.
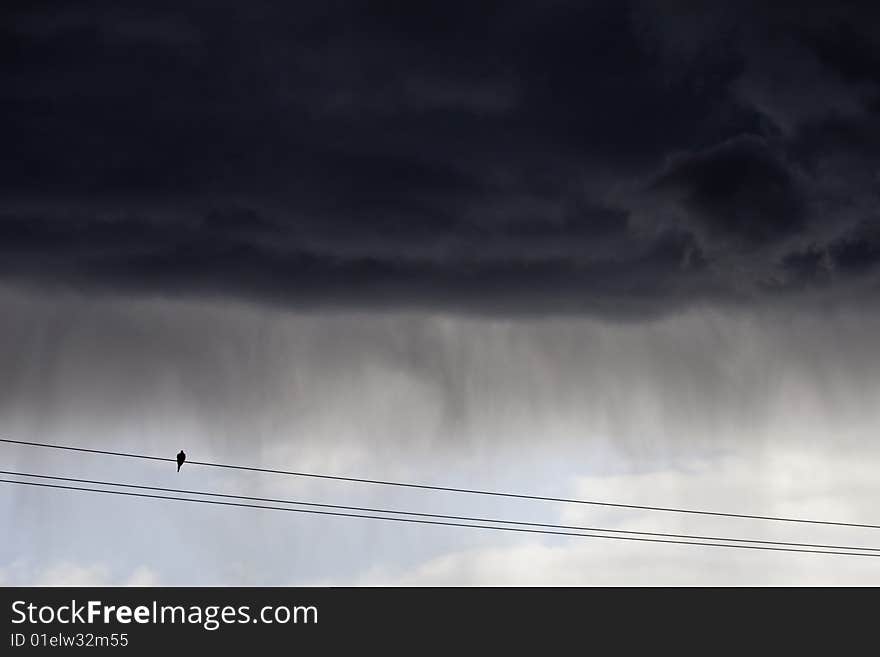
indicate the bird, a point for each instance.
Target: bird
{"x":181,"y":457}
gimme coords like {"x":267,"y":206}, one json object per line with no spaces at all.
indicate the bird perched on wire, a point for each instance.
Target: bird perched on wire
{"x":181,"y":457}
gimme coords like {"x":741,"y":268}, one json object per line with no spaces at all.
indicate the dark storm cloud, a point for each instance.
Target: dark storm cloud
{"x":739,"y":189}
{"x":616,"y":157}
{"x":859,"y":251}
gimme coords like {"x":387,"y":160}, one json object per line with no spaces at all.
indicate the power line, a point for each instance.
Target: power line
{"x":451,"y":489}
{"x":437,"y":515}
{"x":438,"y":522}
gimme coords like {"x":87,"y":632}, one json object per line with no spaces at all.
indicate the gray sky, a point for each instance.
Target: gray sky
{"x":616,"y":249}
{"x":770,"y":412}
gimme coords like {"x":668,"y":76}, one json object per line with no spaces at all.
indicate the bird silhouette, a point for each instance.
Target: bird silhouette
{"x":181,"y":457}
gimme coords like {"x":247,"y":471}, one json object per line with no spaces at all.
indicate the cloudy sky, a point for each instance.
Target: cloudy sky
{"x":612,"y":250}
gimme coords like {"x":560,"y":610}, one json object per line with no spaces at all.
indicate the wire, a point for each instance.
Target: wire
{"x":436,"y":515}
{"x":437,"y":522}
{"x":450,"y":489}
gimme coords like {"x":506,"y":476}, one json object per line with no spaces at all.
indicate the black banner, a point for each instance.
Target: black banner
{"x":146,"y":620}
